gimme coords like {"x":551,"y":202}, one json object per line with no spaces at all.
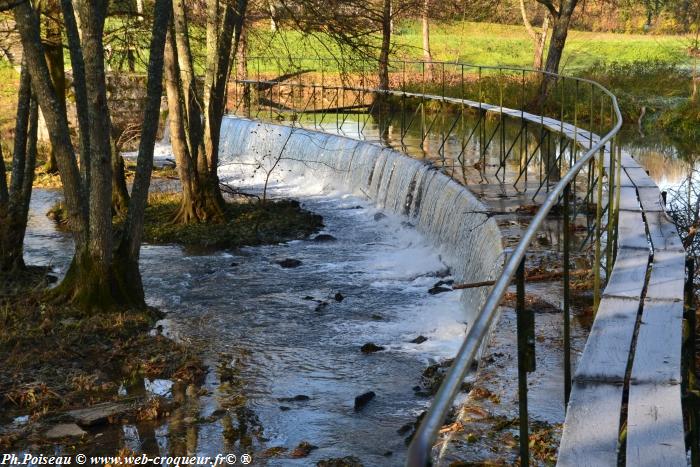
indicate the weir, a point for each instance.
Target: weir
{"x":613,"y":409}
{"x":447,"y":213}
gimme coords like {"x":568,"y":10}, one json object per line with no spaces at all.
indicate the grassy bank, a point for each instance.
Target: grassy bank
{"x":487,"y":44}
{"x":247,"y":223}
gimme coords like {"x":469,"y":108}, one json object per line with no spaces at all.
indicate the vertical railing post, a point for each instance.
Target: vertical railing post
{"x":567,"y":294}
{"x":526,"y":360}
{"x":598,"y":229}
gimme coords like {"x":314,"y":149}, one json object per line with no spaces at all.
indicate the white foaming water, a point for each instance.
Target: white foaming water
{"x":446,"y":213}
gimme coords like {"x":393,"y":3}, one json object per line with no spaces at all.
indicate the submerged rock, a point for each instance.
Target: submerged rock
{"x":363,"y":399}
{"x":65,"y":430}
{"x":371,"y":347}
{"x":324,"y":238}
{"x":297,"y":398}
{"x":379,"y":216}
{"x":289,"y":263}
{"x":419,"y":340}
{"x":321,"y":306}
{"x":339,"y":297}
{"x":438,"y":289}
{"x":303,"y":450}
{"x":348,"y":461}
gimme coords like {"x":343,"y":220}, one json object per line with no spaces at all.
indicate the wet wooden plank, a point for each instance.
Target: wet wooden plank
{"x":607,"y":349}
{"x":667,"y":279}
{"x":650,"y":198}
{"x":628,"y":199}
{"x":592,"y":426}
{"x":657,"y":357}
{"x":655,"y":435}
{"x":640,"y":177}
{"x":631,"y":231}
{"x":662,"y":232}
{"x":628,"y":275}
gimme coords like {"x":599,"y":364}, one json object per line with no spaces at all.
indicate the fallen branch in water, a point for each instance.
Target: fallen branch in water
{"x":528,"y":278}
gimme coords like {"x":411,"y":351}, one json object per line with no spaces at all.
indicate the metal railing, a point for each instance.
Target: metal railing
{"x":494,"y":101}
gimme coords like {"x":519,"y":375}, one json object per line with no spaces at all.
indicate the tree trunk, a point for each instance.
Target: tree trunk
{"x":427,"y":56}
{"x":14,"y":204}
{"x":386,"y":46}
{"x":81,"y":104}
{"x":129,"y":246}
{"x":560,"y":32}
{"x":196,"y":149}
{"x":53,"y":46}
{"x":540,"y":44}
{"x":120,"y":193}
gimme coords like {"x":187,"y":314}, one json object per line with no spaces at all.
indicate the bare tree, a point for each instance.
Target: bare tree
{"x":97,"y":277}
{"x":539,"y":39}
{"x":195,"y":122}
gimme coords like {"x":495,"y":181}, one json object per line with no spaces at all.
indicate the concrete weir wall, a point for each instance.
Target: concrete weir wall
{"x":446,"y":213}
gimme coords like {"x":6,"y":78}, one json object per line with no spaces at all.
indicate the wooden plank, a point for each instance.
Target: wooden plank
{"x":631,"y":231}
{"x":628,"y":161}
{"x":655,"y":435}
{"x":667,"y":280}
{"x":657,"y":357}
{"x":650,"y":198}
{"x":639,"y":177}
{"x":629,"y":274}
{"x":628,"y":199}
{"x":663,"y":233}
{"x":592,"y":426}
{"x":607,"y":349}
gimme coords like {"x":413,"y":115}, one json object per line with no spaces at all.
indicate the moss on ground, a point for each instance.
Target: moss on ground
{"x":248,"y":223}
{"x":56,"y":358}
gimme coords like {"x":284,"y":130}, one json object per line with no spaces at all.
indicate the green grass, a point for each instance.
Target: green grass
{"x":487,"y":44}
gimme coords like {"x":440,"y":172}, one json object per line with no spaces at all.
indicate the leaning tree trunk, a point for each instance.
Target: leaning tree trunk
{"x":560,"y":32}
{"x":14,"y":203}
{"x":129,"y":246}
{"x":53,"y":46}
{"x":427,"y":56}
{"x":386,"y":46}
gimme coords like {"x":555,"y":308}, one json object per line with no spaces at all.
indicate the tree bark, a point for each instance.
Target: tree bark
{"x":129,"y":246}
{"x":14,"y":203}
{"x":196,"y":146}
{"x":81,"y":100}
{"x":120,"y":193}
{"x":53,"y":46}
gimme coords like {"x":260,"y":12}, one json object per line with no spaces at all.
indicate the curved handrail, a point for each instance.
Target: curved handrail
{"x":419,"y":452}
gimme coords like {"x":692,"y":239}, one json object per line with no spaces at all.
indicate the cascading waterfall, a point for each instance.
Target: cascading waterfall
{"x":450,"y":216}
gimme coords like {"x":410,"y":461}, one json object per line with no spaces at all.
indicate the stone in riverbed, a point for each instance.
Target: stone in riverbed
{"x":65,"y":430}
{"x":297,"y":398}
{"x":419,"y":340}
{"x":303,"y":450}
{"x":339,"y":297}
{"x":100,"y":413}
{"x":289,"y":263}
{"x":324,"y":238}
{"x":371,"y":347}
{"x":348,"y":461}
{"x":363,"y":399}
{"x":379,"y":216}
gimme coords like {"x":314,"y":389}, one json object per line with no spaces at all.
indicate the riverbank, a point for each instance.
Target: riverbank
{"x":58,"y":361}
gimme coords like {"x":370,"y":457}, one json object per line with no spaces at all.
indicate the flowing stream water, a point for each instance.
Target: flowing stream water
{"x":285,"y":333}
